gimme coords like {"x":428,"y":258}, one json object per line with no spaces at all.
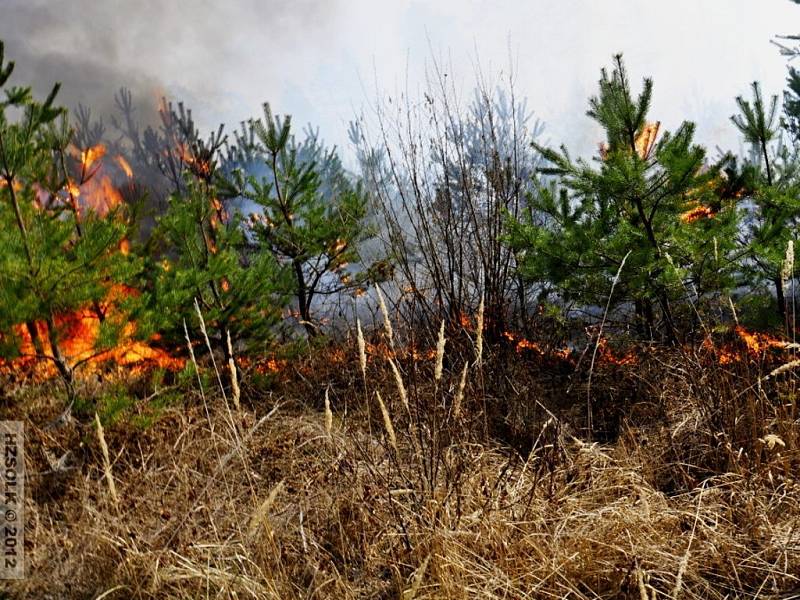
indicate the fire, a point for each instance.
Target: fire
{"x":646,"y":140}
{"x":124,"y":165}
{"x":91,"y":156}
{"x":95,"y":187}
{"x":17,"y":185}
{"x":80,"y":333}
{"x":755,"y":345}
{"x":100,"y":195}
{"x":522,"y":344}
{"x":697,"y":213}
{"x":338,"y":246}
{"x":758,"y":342}
{"x":73,"y":189}
{"x":607,"y":354}
{"x":643,"y":144}
{"x":198,"y":165}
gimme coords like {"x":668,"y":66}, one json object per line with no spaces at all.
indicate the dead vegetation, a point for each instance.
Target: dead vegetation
{"x":396,"y":491}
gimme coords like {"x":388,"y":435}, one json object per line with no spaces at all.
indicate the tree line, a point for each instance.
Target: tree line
{"x":454,"y":206}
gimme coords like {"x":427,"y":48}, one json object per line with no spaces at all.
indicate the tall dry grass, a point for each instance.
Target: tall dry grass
{"x":696,"y":497}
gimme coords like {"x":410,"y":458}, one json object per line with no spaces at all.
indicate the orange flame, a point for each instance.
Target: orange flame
{"x":124,"y":165}
{"x":697,"y":213}
{"x":643,"y":144}
{"x":80,"y":332}
{"x":646,"y":140}
{"x":92,"y":155}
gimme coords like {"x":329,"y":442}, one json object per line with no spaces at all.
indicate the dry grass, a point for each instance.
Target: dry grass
{"x":309,"y":504}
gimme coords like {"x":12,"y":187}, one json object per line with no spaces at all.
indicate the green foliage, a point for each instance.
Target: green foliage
{"x":771,"y":176}
{"x":54,"y":258}
{"x":582,"y":224}
{"x":238,"y":291}
{"x":312,"y":216}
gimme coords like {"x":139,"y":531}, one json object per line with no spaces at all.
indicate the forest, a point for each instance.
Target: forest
{"x":475,"y":364}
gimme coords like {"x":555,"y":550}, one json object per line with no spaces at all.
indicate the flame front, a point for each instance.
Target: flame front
{"x":80,"y":331}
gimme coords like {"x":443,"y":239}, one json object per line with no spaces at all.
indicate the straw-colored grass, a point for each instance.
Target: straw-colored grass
{"x":284,"y":505}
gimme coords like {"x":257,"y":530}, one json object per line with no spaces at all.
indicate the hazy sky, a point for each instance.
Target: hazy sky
{"x":323,"y":60}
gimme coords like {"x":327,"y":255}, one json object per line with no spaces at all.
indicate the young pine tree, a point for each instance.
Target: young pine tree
{"x":312,"y":217}
{"x":772,"y":175}
{"x":208,"y":257}
{"x":653,"y":197}
{"x":56,"y":257}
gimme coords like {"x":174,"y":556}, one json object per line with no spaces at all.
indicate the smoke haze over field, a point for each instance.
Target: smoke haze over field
{"x":322,"y":60}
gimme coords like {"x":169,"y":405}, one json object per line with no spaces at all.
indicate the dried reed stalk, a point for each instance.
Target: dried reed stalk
{"x":234,"y":375}
{"x":416,"y":582}
{"x":387,"y":323}
{"x":597,"y":347}
{"x":194,"y":361}
{"x":784,"y":368}
{"x":460,"y":391}
{"x":479,"y":339}
{"x":362,"y":350}
{"x":398,"y":379}
{"x":210,"y":349}
{"x":387,"y":422}
{"x":259,"y":516}
{"x":106,"y":461}
{"x":437,"y":371}
{"x":328,"y":414}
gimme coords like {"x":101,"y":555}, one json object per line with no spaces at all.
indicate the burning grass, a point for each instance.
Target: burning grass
{"x":318,"y":489}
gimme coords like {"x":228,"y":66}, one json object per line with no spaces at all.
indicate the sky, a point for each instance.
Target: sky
{"x":325,"y":61}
